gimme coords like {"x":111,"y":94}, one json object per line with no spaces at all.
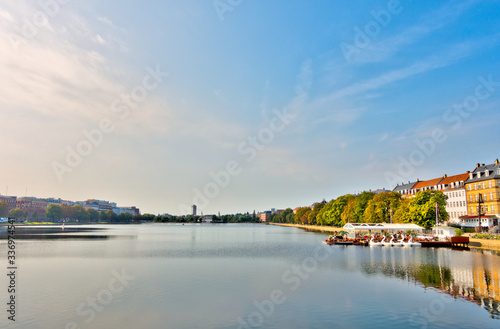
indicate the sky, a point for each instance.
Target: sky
{"x":243,"y":105}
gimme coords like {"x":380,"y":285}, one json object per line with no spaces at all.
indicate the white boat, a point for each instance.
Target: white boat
{"x":388,"y":243}
{"x":411,"y":243}
{"x":399,"y":243}
{"x":374,"y":243}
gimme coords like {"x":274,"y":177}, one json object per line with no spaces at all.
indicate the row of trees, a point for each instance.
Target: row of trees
{"x":239,"y":218}
{"x":16,"y":212}
{"x":58,"y":213}
{"x":81,"y":214}
{"x":370,"y":208}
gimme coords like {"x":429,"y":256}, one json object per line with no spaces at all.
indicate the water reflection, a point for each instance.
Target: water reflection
{"x":54,"y":232}
{"x":478,"y":282}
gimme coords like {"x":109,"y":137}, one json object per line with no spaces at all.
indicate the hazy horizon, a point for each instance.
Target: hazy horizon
{"x":243,"y":105}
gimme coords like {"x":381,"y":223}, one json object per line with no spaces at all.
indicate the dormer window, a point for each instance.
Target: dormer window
{"x":478,"y":175}
{"x":487,"y":173}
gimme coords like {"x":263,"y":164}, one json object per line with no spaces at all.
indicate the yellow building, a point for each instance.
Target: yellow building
{"x":483,"y":185}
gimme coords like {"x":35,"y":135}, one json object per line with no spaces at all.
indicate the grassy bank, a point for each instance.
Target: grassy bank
{"x":317,"y":228}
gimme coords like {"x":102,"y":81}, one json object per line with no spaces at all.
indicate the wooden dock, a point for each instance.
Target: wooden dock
{"x":456,"y":242}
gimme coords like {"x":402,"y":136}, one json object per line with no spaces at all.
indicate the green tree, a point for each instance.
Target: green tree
{"x":313,"y":215}
{"x":18,"y":213}
{"x":93,"y":215}
{"x":124,"y":217}
{"x":321,"y":218}
{"x":148,"y":217}
{"x":68,"y":211}
{"x":80,"y":213}
{"x":379,"y":208}
{"x":423,"y":207}
{"x":333,"y":214}
{"x":4,"y":209}
{"x":360,"y":205}
{"x":301,"y":216}
{"x":403,"y":214}
{"x":286,"y":215}
{"x":53,"y":212}
{"x":349,"y":210}
{"x":109,"y":216}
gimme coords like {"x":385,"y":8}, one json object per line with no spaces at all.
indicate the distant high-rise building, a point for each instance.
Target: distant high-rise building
{"x":194,"y":210}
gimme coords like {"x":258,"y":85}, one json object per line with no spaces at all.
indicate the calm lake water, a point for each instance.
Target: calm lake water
{"x":241,"y":276}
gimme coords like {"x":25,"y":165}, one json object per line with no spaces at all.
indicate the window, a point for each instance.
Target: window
{"x":475,"y":186}
{"x":490,"y":184}
{"x":492,"y":208}
{"x":470,"y":197}
{"x":486,"y":208}
{"x":471,"y":209}
{"x":491,"y":196}
{"x":477,"y":197}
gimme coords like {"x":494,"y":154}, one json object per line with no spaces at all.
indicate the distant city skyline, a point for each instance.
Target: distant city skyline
{"x":243,"y":106}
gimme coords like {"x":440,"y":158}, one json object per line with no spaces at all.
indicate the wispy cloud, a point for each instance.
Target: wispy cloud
{"x":382,"y":49}
{"x":109,"y":23}
{"x":99,"y":39}
{"x":450,"y":56}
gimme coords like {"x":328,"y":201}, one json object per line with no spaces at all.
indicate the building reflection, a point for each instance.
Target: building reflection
{"x":478,"y":283}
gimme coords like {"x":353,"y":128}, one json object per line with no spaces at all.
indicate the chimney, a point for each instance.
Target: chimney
{"x":496,"y":161}
{"x":482,"y":165}
{"x":477,"y":165}
{"x":445,"y":176}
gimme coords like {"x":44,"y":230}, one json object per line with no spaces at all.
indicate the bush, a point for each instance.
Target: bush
{"x":486,"y":236}
{"x":459,"y":232}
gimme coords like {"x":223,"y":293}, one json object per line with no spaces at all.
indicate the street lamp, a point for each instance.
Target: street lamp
{"x":479,"y":210}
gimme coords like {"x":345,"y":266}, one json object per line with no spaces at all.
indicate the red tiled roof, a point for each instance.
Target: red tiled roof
{"x":455,"y":178}
{"x":427,"y":183}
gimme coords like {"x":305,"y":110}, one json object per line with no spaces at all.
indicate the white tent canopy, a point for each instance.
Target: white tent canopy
{"x":382,"y":227}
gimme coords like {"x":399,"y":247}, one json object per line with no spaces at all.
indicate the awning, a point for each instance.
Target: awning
{"x":382,"y":227}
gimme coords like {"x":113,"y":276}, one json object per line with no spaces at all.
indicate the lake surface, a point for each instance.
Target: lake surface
{"x":241,"y":276}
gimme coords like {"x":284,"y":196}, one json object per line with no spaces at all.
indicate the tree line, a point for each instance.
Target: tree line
{"x":368,"y":207}
{"x":65,"y":212}
{"x":238,"y":218}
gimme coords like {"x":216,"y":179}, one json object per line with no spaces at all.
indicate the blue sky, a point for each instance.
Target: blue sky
{"x":243,"y":105}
